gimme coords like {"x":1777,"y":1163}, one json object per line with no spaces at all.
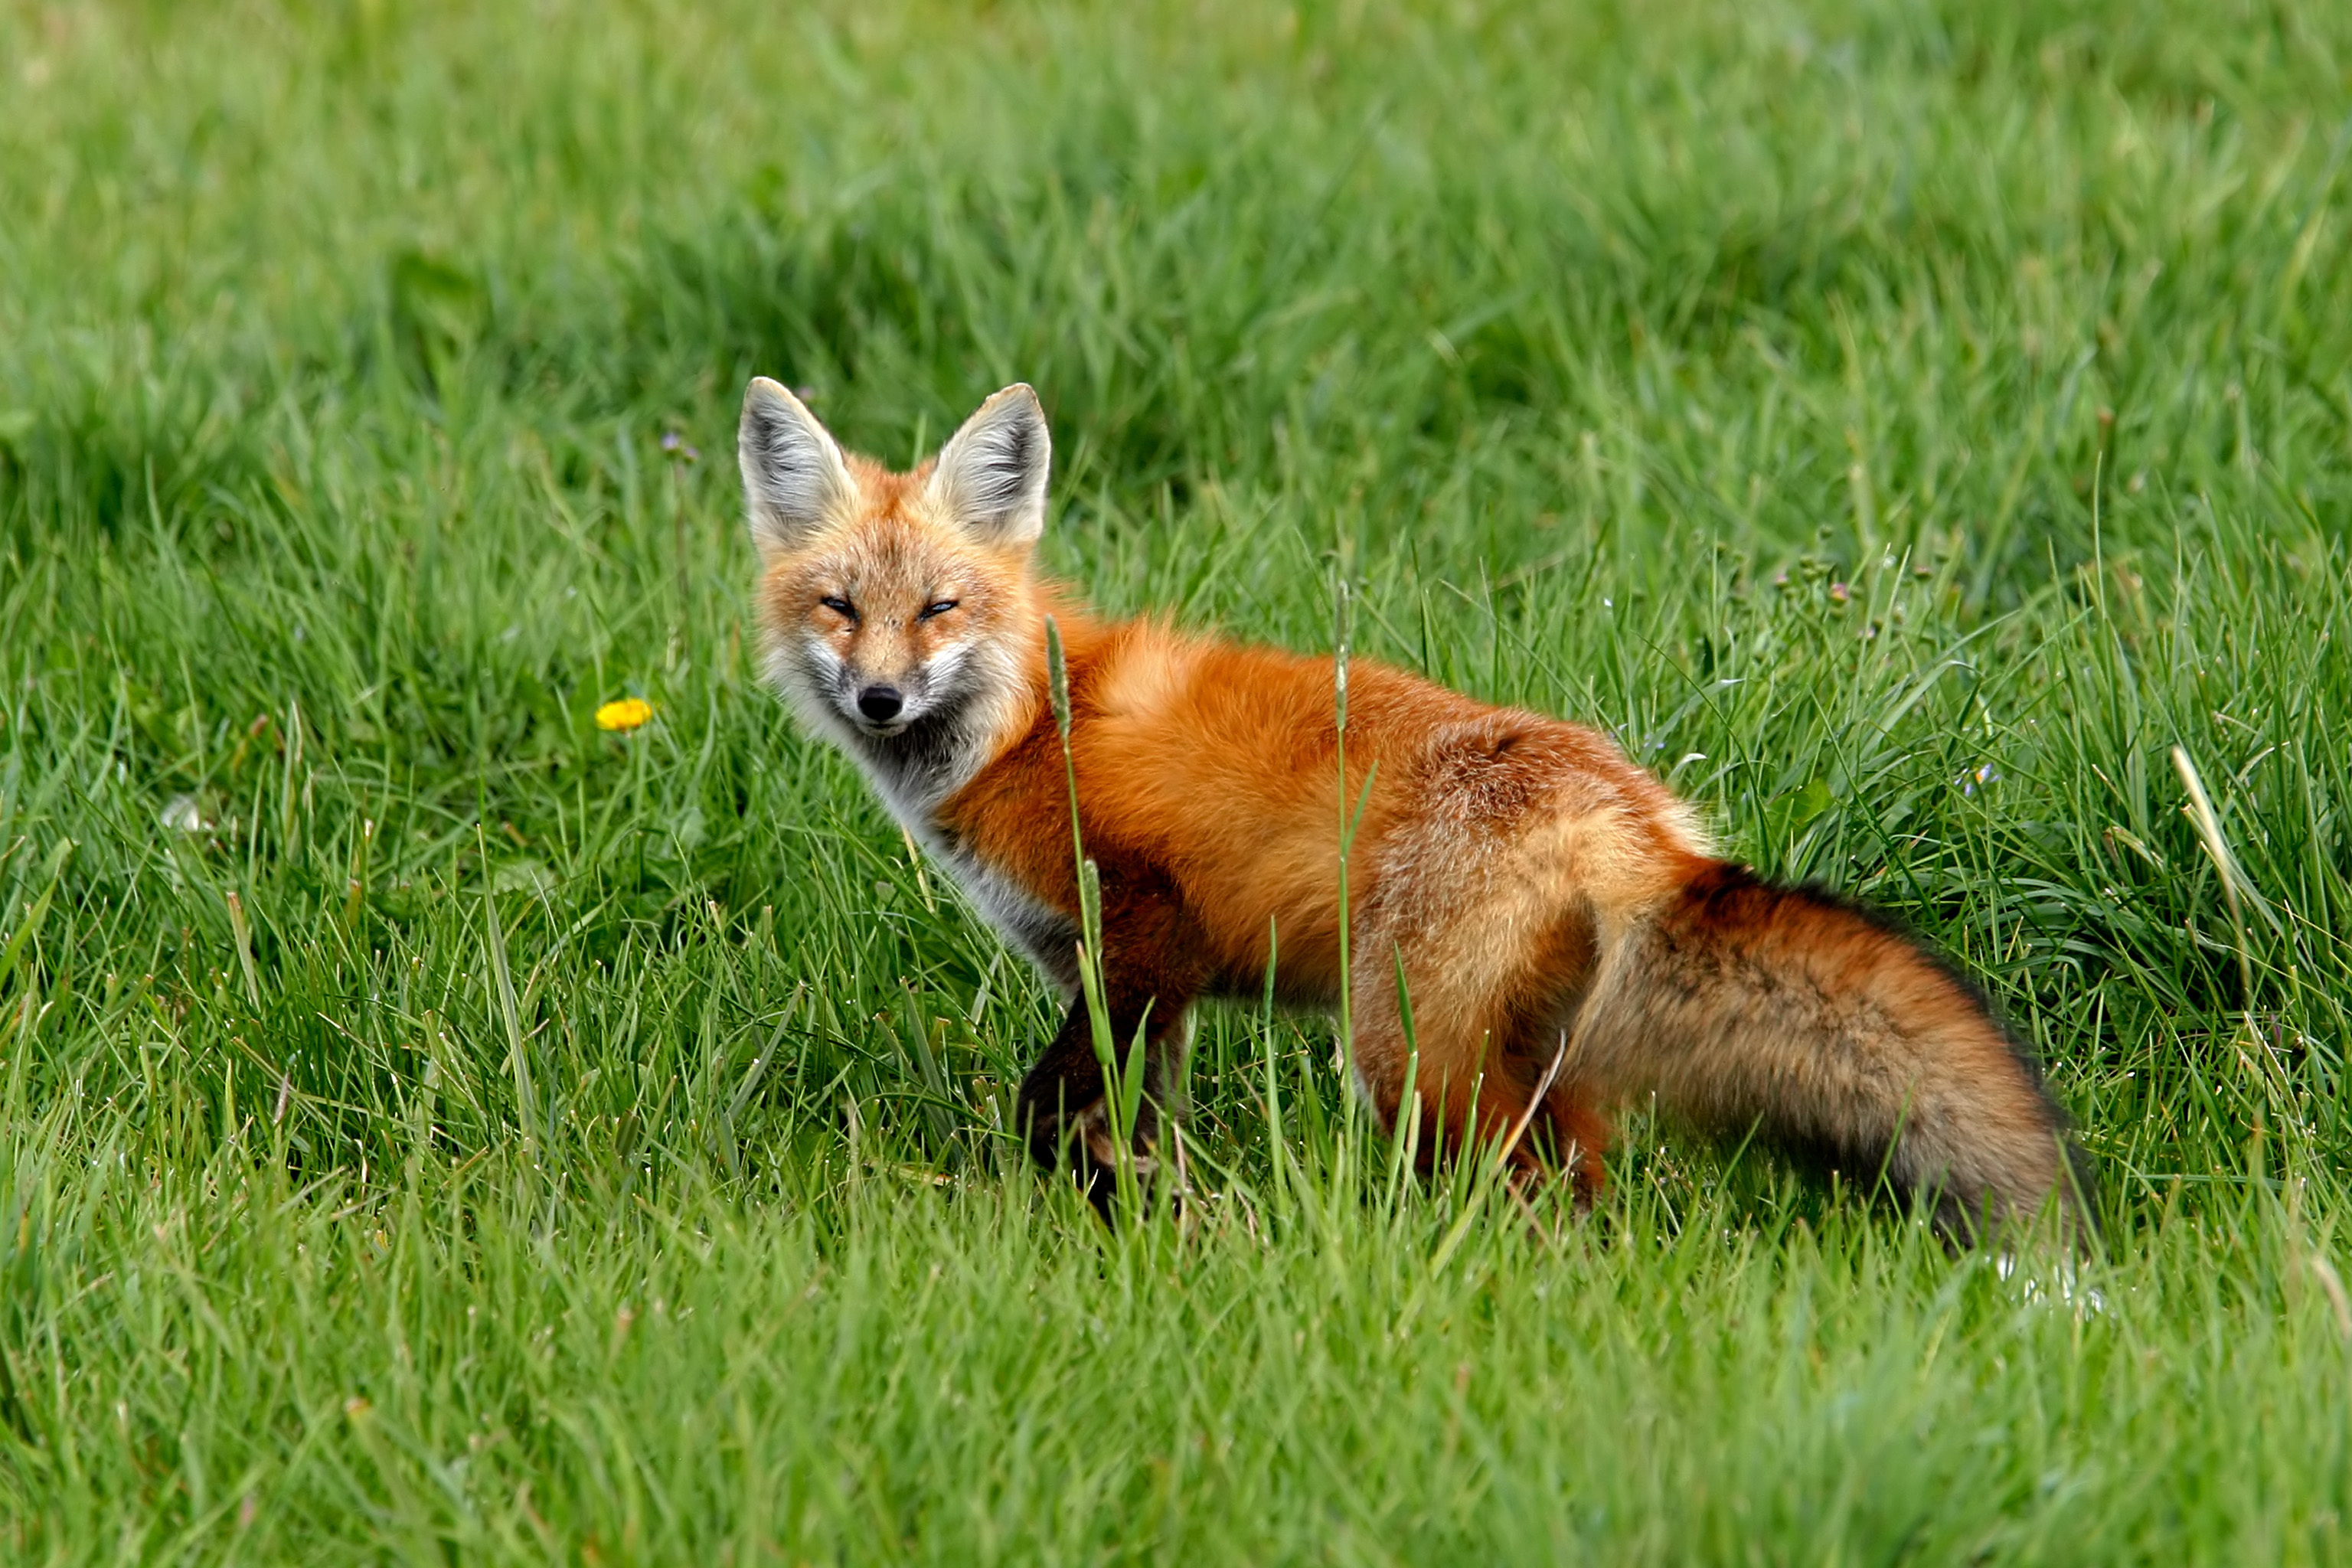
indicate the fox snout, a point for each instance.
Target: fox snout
{"x":882,"y":696}
{"x":881,"y":703}
{"x":873,"y":673}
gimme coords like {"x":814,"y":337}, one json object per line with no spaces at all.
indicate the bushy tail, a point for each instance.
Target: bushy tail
{"x":1817,"y":1024}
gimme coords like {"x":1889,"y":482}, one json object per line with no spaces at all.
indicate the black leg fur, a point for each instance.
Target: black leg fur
{"x":1065,"y":1080}
{"x":1067,"y":1085}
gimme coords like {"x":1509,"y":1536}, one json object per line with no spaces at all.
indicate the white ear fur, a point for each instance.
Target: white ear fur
{"x":990,"y":476}
{"x":794,"y":481}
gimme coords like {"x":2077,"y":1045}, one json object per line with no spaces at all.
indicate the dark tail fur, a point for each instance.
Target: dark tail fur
{"x":1828,"y":1030}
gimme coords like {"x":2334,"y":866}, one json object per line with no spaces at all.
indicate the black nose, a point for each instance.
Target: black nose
{"x":881,"y":703}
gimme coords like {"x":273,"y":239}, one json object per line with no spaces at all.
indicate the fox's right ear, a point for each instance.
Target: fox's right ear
{"x":794,"y":481}
{"x":990,"y":476}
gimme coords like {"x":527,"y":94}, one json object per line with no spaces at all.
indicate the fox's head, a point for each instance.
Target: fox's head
{"x":899,"y":608}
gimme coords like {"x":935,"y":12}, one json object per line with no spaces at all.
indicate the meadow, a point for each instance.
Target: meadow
{"x":434,"y":1129}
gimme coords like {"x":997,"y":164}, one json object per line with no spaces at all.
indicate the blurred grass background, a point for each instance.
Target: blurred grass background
{"x":435,"y":1129}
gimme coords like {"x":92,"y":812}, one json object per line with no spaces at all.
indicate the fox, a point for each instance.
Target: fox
{"x":1543,"y":934}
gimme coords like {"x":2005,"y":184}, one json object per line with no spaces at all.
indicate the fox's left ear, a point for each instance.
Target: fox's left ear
{"x":794,"y":481}
{"x":990,"y":476}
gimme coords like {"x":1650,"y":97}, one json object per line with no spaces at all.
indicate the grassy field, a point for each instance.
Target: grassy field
{"x":434,"y":1130}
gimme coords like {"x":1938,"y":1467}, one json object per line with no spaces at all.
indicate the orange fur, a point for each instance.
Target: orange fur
{"x":1555,"y":911}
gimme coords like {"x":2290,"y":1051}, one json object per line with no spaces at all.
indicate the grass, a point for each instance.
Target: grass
{"x":433,"y":1129}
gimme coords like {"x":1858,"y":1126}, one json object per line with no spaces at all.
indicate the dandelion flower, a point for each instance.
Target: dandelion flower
{"x":624,"y":715}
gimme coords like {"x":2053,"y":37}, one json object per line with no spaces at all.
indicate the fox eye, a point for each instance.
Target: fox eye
{"x":839,"y":605}
{"x":940,"y":608}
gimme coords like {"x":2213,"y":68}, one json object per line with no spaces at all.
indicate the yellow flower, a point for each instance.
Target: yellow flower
{"x":625,"y":714}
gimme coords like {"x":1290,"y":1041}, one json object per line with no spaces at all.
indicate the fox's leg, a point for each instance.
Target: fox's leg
{"x":1064,"y":1083}
{"x":1486,"y":1059}
{"x":1148,"y":984}
{"x":1473,"y":902}
{"x":1571,"y":1133}
{"x":1062,"y":1106}
{"x":1808,"y":1019}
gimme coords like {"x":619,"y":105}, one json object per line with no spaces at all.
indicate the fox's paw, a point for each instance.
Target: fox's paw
{"x":1093,"y":1126}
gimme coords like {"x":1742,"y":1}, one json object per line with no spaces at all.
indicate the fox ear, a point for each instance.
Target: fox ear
{"x":990,"y":476}
{"x":794,"y":482}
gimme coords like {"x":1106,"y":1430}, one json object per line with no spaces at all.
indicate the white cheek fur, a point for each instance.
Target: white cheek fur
{"x":805,"y":674}
{"x":821,"y":658}
{"x":941,"y":672}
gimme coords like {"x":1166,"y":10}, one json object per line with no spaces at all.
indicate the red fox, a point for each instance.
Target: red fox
{"x":1567,"y":941}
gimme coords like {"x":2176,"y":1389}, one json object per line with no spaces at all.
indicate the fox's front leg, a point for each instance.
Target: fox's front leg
{"x":1063,"y":1109}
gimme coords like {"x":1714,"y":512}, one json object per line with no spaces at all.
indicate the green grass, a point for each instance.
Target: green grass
{"x":464,"y":1135}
